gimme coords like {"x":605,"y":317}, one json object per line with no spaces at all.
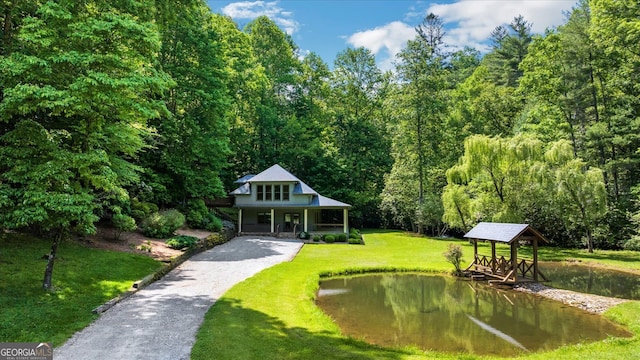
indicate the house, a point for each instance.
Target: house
{"x":275,"y":201}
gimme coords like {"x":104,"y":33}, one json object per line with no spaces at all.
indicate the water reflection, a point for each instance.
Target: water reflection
{"x":592,"y":280}
{"x":441,"y":313}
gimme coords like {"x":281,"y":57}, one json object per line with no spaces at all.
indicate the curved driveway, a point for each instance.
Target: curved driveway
{"x":161,"y":320}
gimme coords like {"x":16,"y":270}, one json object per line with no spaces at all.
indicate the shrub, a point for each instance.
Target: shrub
{"x":122,"y":223}
{"x":353,"y":240}
{"x":197,"y":211}
{"x":341,"y":238}
{"x":454,"y":256}
{"x":182,"y":241}
{"x":214,"y":239}
{"x":140,"y":210}
{"x":316,"y":238}
{"x":163,"y":224}
{"x":633,"y":244}
{"x":304,"y":235}
{"x":329,"y":239}
{"x":212,"y":222}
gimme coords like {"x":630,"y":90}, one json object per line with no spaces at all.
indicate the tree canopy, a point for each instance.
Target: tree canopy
{"x":109,"y":106}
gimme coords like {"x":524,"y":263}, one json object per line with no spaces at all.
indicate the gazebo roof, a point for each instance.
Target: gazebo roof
{"x":503,"y":232}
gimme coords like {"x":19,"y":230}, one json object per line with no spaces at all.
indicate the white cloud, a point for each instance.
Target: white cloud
{"x":384,"y":41}
{"x":470,"y":22}
{"x":390,"y":37}
{"x":252,"y":9}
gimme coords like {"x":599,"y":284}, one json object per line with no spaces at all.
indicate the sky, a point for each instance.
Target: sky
{"x":328,"y":27}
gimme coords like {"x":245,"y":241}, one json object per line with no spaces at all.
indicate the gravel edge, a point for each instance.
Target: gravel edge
{"x":595,"y":304}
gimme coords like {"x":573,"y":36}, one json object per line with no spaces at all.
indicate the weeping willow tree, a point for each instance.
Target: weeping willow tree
{"x":486,"y":184}
{"x":519,"y":179}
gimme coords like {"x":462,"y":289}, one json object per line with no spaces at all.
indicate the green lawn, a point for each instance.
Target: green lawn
{"x":83,"y":278}
{"x":272,"y":315}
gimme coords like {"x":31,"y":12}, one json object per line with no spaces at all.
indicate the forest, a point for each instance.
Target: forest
{"x":110,"y":106}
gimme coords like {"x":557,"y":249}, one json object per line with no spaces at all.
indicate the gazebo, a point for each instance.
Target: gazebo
{"x":506,"y":271}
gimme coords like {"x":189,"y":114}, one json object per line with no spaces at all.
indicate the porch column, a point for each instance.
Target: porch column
{"x":345,"y":220}
{"x":239,"y":220}
{"x":306,"y":223}
{"x":273,"y":220}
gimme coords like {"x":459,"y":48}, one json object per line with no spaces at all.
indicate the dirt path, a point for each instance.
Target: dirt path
{"x":161,"y":320}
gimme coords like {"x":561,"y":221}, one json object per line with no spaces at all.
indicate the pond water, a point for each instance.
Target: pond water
{"x":592,"y":280}
{"x":444,"y":314}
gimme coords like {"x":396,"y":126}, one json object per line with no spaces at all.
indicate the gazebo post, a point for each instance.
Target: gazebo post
{"x":475,"y":251}
{"x":493,"y":256}
{"x":514,"y":260}
{"x":535,"y":259}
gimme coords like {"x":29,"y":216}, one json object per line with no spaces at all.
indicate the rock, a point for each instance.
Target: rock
{"x":592,"y":303}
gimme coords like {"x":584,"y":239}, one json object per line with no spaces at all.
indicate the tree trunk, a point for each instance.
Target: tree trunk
{"x":589,"y":241}
{"x":48,"y":272}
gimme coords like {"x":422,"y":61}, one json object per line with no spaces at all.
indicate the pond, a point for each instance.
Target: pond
{"x":445,"y":314}
{"x":592,"y":280}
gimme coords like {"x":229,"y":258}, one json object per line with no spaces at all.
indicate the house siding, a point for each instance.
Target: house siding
{"x":277,"y":192}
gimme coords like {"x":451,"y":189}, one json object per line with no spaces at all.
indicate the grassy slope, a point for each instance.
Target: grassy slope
{"x":83,"y":278}
{"x":272,"y":315}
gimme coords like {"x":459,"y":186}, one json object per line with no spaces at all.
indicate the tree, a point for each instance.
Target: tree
{"x":358,"y":132}
{"x":192,"y":144}
{"x":494,"y":170}
{"x":83,"y":83}
{"x":579,"y":190}
{"x":419,"y":133}
{"x":510,"y":46}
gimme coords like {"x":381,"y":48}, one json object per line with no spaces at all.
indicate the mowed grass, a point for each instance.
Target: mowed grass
{"x":273,"y":316}
{"x":83,"y":278}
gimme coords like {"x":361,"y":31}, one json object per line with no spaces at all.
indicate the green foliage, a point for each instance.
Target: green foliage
{"x":454,"y":256}
{"x":200,"y":217}
{"x":341,"y":238}
{"x":193,"y":142}
{"x":329,"y":239}
{"x":513,"y":179}
{"x":215,"y":239}
{"x":632,"y":244}
{"x":182,"y":241}
{"x":141,"y":209}
{"x":317,"y":238}
{"x":123,"y":223}
{"x":162,"y":224}
{"x":304,"y":235}
{"x":197,"y":212}
{"x":355,"y":240}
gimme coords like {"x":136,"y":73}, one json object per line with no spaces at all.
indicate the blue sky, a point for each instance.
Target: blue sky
{"x":327,"y":27}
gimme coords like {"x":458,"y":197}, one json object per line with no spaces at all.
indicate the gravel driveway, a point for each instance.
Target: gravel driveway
{"x":161,"y":320}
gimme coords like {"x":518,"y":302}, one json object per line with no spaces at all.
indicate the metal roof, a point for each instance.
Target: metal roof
{"x":501,"y":232}
{"x":324,"y":201}
{"x":244,"y":189}
{"x":244,"y":179}
{"x":274,"y":173}
{"x":303,"y":189}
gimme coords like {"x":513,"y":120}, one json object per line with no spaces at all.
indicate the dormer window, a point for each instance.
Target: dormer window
{"x":267,"y":193}
{"x":285,"y":192}
{"x":276,"y":193}
{"x":259,"y":192}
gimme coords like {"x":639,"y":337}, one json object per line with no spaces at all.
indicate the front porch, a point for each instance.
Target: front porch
{"x":276,"y":221}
